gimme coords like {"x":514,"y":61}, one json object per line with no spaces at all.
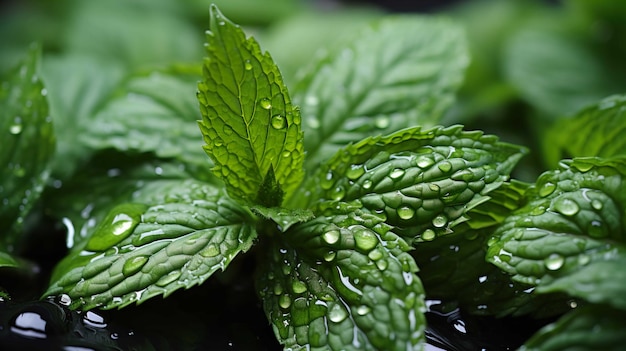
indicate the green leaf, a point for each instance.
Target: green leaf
{"x":597,"y":130}
{"x":28,"y":142}
{"x":248,"y":122}
{"x":174,"y":235}
{"x":284,"y":217}
{"x":587,"y":328}
{"x":556,"y":73}
{"x":572,"y":222}
{"x":421,"y":181}
{"x":6,"y":260}
{"x":351,"y":286}
{"x":400,"y":72}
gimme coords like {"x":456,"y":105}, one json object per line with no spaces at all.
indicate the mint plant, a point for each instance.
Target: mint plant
{"x":359,"y":208}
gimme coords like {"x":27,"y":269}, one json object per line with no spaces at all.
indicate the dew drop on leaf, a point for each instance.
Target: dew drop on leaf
{"x":396,"y":173}
{"x":375,"y":255}
{"x":440,"y":221}
{"x":424,"y":162}
{"x":382,"y":122}
{"x":16,"y":128}
{"x":338,"y":193}
{"x":405,"y":212}
{"x":596,"y":204}
{"x":265,"y":103}
{"x":327,"y":181}
{"x":445,"y":166}
{"x":278,"y":122}
{"x":428,"y":235}
{"x":284,"y":301}
{"x":554,"y":262}
{"x":168,"y":278}
{"x":331,"y":236}
{"x":337,"y":314}
{"x":355,"y":171}
{"x":566,"y":206}
{"x":363,"y":310}
{"x":133,"y":265}
{"x":298,"y":287}
{"x":365,"y":239}
{"x":247,"y":65}
{"x":596,"y":230}
{"x":278,"y":289}
{"x":211,"y":251}
{"x":382,"y":264}
{"x":367,"y":184}
{"x":547,"y":189}
{"x":118,"y":224}
{"x":329,"y":256}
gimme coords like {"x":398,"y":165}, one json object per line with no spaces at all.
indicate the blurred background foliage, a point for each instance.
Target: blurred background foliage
{"x":533,"y":62}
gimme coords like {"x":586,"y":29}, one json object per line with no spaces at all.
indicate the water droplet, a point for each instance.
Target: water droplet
{"x":327,"y":181}
{"x":355,"y":171}
{"x":583,"y":260}
{"x":440,"y":221}
{"x":554,"y":262}
{"x":338,"y":193}
{"x":375,"y":255}
{"x":596,"y":230}
{"x":265,"y":103}
{"x":405,"y":212}
{"x":64,"y":300}
{"x":118,"y":224}
{"x":428,"y":235}
{"x":537,"y":211}
{"x":365,"y":239}
{"x":382,"y":264}
{"x":30,"y":325}
{"x":133,"y":265}
{"x":286,"y":154}
{"x":94,"y":320}
{"x":279,"y":122}
{"x":444,"y":166}
{"x":396,"y":173}
{"x":547,"y":189}
{"x":596,"y":204}
{"x":329,"y":256}
{"x":247,"y":65}
{"x":298,"y":287}
{"x":168,"y":278}
{"x":382,"y":122}
{"x":278,"y":289}
{"x":337,"y":313}
{"x":284,"y":301}
{"x":367,"y":184}
{"x":568,"y":207}
{"x":331,"y":236}
{"x":363,"y":310}
{"x":211,"y":251}
{"x":424,"y":162}
{"x":16,"y":127}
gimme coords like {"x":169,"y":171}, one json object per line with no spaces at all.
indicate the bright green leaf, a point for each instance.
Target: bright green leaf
{"x":174,"y":235}
{"x":400,"y":72}
{"x":587,"y":328}
{"x":284,"y":217}
{"x":352,"y":286}
{"x":572,"y":224}
{"x":597,"y":130}
{"x":28,"y":143}
{"x":248,"y":122}
{"x":421,"y":181}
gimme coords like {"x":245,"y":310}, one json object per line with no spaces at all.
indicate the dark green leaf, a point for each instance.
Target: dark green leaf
{"x":248,"y":122}
{"x":352,"y":286}
{"x":422,"y":182}
{"x":174,"y":235}
{"x":284,"y":217}
{"x":587,"y":328}
{"x":573,"y":224}
{"x":597,"y":130}
{"x":28,"y":142}
{"x":6,"y":260}
{"x":400,"y":72}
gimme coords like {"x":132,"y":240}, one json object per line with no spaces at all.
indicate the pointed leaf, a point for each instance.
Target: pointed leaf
{"x":400,"y":72}
{"x":422,"y":182}
{"x":6,"y":260}
{"x":351,"y":287}
{"x":172,"y":237}
{"x":248,"y":122}
{"x":27,"y":145}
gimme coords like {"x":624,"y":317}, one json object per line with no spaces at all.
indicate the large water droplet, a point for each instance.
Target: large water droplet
{"x":424,"y":162}
{"x":428,"y":235}
{"x":298,"y":287}
{"x":279,"y":122}
{"x":440,"y":221}
{"x":30,"y":325}
{"x":118,"y":224}
{"x":396,"y":173}
{"x":133,"y":265}
{"x":405,"y":212}
{"x":168,"y":278}
{"x":265,"y":103}
{"x":337,"y":313}
{"x":547,"y":189}
{"x":331,"y":236}
{"x":365,"y":239}
{"x":554,"y":262}
{"x":566,"y":206}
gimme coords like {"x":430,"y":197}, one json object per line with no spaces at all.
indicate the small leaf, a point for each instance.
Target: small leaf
{"x":284,"y":217}
{"x":172,"y":237}
{"x":351,"y":286}
{"x":28,"y":143}
{"x":421,"y":182}
{"x":400,"y":72}
{"x":572,"y":223}
{"x":587,"y":328}
{"x":597,"y":130}
{"x":248,"y":122}
{"x":6,"y":260}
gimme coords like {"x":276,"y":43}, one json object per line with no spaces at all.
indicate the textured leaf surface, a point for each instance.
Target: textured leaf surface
{"x":597,"y":130}
{"x":422,"y":182}
{"x":27,"y":143}
{"x":398,"y":73}
{"x":573,"y":224}
{"x":586,"y":328}
{"x":352,"y":286}
{"x":248,"y":122}
{"x":173,"y":236}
